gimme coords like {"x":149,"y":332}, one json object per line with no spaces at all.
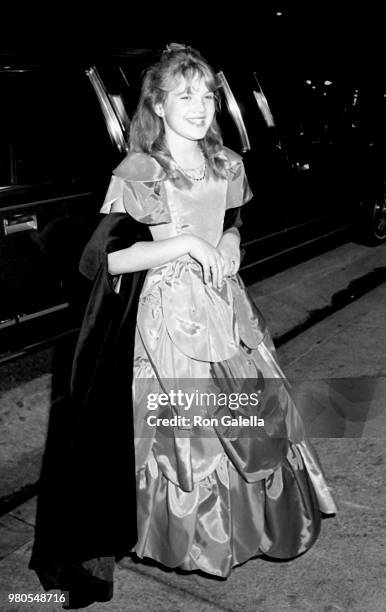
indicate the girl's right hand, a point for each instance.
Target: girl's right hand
{"x":210,"y":259}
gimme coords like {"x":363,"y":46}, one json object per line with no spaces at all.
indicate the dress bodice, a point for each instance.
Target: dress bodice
{"x":197,"y":207}
{"x":200,"y":318}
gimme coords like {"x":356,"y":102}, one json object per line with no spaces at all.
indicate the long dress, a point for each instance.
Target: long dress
{"x":223,"y":482}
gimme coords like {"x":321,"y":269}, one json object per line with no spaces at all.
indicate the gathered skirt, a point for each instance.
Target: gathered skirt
{"x":225,"y":484}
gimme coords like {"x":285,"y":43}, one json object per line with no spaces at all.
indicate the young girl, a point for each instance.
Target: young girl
{"x":210,"y":493}
{"x":215,"y":482}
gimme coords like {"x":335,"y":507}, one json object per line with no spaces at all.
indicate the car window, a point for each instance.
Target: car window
{"x":132,"y":67}
{"x":112,"y":107}
{"x":251,"y":123}
{"x":58,"y":130}
{"x":262,"y":103}
{"x":231,"y":117}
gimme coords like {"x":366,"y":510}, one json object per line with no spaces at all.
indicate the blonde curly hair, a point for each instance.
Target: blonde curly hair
{"x":147,"y":129}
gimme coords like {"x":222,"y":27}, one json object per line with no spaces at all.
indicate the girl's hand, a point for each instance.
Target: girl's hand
{"x":210,"y":259}
{"x":229,"y":247}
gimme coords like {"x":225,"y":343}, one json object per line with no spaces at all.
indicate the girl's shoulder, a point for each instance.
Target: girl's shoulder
{"x":238,"y":192}
{"x":140,"y":167}
{"x":137,"y":188}
{"x":231,"y":157}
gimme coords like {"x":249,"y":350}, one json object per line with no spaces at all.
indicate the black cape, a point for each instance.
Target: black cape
{"x":86,"y":513}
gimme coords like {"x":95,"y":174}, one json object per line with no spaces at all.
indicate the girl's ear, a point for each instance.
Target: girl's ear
{"x":159,"y":110}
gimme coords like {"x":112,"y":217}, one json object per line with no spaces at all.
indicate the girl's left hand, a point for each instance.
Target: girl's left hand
{"x":229,"y":247}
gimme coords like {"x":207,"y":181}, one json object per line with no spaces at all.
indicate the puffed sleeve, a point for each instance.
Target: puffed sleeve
{"x":238,"y":191}
{"x":137,"y":188}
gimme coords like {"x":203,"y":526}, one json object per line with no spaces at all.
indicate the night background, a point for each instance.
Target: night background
{"x":314,"y":261}
{"x":338,"y":37}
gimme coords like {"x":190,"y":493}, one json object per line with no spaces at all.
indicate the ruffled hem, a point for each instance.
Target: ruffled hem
{"x":224,"y":521}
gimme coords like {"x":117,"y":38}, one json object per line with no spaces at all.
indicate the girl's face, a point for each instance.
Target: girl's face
{"x":188,"y":110}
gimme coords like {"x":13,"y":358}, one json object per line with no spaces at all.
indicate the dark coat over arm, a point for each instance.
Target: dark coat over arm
{"x":86,"y":505}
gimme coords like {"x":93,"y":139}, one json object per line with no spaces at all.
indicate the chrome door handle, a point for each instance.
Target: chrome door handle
{"x":20,"y":223}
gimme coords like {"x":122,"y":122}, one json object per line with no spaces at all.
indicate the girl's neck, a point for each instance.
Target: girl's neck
{"x":186,"y":154}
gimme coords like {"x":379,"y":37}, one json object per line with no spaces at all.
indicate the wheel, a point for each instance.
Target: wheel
{"x":378,"y":216}
{"x":372,"y":222}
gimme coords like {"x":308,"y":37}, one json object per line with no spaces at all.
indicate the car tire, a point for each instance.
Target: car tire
{"x":371,"y":227}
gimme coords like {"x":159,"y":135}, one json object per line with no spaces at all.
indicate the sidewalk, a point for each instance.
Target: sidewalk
{"x":345,"y":569}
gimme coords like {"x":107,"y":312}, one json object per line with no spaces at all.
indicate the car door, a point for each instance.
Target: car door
{"x":57,"y":154}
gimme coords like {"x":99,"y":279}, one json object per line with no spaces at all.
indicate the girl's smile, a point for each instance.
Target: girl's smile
{"x":187,"y":111}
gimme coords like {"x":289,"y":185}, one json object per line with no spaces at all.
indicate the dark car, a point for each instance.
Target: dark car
{"x":63,"y":129}
{"x":314,"y":154}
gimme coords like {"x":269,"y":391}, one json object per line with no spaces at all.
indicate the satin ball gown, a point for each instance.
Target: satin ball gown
{"x":210,"y":497}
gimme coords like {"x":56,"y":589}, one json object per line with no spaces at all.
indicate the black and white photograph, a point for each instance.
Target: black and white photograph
{"x":192,"y":313}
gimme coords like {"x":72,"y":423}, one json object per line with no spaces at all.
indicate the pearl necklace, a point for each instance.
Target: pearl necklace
{"x":201,"y":168}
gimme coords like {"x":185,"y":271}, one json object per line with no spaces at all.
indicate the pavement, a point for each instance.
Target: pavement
{"x":345,"y":570}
